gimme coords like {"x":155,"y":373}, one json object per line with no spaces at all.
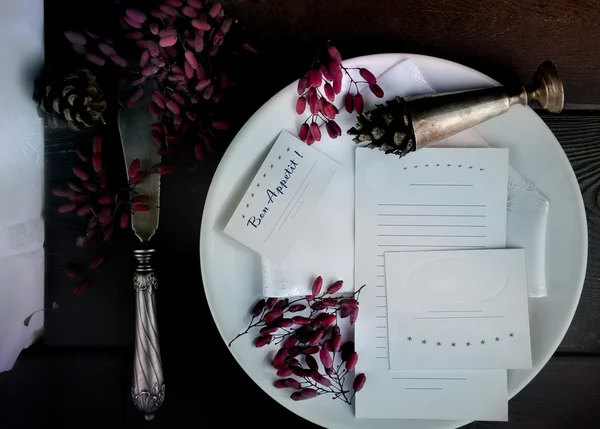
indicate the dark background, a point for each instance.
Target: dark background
{"x":79,"y":373}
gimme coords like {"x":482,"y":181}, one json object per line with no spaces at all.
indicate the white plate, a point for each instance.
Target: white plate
{"x":232,"y":274}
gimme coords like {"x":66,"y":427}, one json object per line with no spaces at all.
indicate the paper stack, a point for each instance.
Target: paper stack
{"x":443,"y":316}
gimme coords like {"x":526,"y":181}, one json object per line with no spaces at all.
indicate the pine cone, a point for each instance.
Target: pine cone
{"x":72,"y":99}
{"x":388,"y":128}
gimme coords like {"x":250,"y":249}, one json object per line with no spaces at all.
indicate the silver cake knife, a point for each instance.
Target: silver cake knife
{"x":148,"y":387}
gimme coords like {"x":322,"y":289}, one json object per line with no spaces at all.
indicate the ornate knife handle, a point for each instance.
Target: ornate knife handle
{"x":148,"y":386}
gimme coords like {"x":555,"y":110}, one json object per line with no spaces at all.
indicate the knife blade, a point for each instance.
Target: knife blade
{"x":148,"y":387}
{"x":134,"y":125}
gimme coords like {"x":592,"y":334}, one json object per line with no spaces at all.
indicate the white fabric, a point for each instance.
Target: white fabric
{"x":21,"y":178}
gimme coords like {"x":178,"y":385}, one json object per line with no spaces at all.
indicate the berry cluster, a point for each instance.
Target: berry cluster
{"x":91,"y":196}
{"x":302,"y":337}
{"x":174,"y":62}
{"x":318,"y":89}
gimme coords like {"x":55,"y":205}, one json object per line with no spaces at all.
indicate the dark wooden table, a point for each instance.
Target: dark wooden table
{"x":79,"y":374}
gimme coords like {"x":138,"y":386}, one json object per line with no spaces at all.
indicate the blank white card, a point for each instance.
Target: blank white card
{"x":432,"y":199}
{"x":458,"y":309}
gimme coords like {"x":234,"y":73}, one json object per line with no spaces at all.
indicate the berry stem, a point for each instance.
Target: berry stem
{"x":250,"y":326}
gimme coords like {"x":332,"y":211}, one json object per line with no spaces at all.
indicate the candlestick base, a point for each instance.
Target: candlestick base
{"x":547,"y":88}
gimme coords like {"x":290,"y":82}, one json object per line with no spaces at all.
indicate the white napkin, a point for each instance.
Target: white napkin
{"x":326,"y":246}
{"x":21,"y":178}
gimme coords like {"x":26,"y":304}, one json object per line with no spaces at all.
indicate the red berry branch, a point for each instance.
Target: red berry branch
{"x":302,"y":337}
{"x":90,"y":196}
{"x":173,"y":58}
{"x":318,"y":90}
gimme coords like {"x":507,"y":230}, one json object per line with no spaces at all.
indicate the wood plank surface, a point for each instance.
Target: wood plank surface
{"x":500,"y":38}
{"x":89,"y":388}
{"x":83,"y":380}
{"x":579,"y":135}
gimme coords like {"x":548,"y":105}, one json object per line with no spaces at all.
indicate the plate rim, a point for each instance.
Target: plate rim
{"x":579,"y":281}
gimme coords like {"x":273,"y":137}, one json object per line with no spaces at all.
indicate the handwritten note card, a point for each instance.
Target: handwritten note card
{"x":281,"y":197}
{"x":433,"y":199}
{"x":464,"y":309}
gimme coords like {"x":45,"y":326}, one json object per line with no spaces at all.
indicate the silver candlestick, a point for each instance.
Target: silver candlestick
{"x":437,"y":117}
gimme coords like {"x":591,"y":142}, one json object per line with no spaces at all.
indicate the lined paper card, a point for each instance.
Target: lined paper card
{"x":431,"y":395}
{"x":458,"y":309}
{"x":433,"y":199}
{"x":281,"y":197}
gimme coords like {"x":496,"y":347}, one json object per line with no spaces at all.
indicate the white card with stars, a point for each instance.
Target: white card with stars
{"x":459,"y":309}
{"x":281,"y":197}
